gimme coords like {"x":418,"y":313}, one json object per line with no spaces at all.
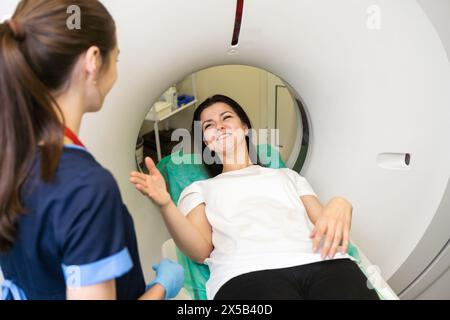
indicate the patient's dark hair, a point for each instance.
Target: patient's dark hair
{"x":216,"y":168}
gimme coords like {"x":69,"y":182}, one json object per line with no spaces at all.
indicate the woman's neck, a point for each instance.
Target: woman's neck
{"x":238,"y":160}
{"x":72,"y":108}
{"x":233,"y":167}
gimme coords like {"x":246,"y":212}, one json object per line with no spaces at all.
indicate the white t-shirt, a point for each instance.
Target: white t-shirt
{"x":258,"y":221}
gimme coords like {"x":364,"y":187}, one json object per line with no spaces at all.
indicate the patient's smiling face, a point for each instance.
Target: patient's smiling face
{"x":222,"y":128}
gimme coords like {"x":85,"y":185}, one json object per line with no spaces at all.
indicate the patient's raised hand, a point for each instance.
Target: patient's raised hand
{"x":152,"y":184}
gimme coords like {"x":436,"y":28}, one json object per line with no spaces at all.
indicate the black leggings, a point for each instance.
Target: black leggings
{"x":330,"y":279}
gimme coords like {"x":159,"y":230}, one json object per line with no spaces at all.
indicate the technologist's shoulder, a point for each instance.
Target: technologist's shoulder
{"x":89,"y":174}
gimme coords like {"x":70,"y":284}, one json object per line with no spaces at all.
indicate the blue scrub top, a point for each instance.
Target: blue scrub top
{"x":76,"y":232}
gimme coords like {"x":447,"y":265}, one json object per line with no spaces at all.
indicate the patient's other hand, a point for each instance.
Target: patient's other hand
{"x":152,"y":184}
{"x":333,"y":227}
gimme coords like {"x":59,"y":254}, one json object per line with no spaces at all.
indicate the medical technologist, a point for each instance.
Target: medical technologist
{"x":64,"y":230}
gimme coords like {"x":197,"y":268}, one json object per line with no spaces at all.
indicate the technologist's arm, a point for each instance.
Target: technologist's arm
{"x":332,"y":224}
{"x":102,"y":291}
{"x":107,"y":291}
{"x":157,"y":292}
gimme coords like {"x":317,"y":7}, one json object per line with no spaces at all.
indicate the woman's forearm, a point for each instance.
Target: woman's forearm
{"x":341,"y":202}
{"x":315,"y":209}
{"x":157,"y":292}
{"x":188,"y":238}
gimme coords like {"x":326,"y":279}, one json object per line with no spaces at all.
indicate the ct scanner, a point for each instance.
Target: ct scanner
{"x":377,"y":98}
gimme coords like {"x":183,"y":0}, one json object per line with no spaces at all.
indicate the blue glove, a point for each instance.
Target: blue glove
{"x":170,"y":275}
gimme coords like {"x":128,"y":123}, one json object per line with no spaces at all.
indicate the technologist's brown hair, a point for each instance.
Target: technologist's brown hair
{"x":37,"y":54}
